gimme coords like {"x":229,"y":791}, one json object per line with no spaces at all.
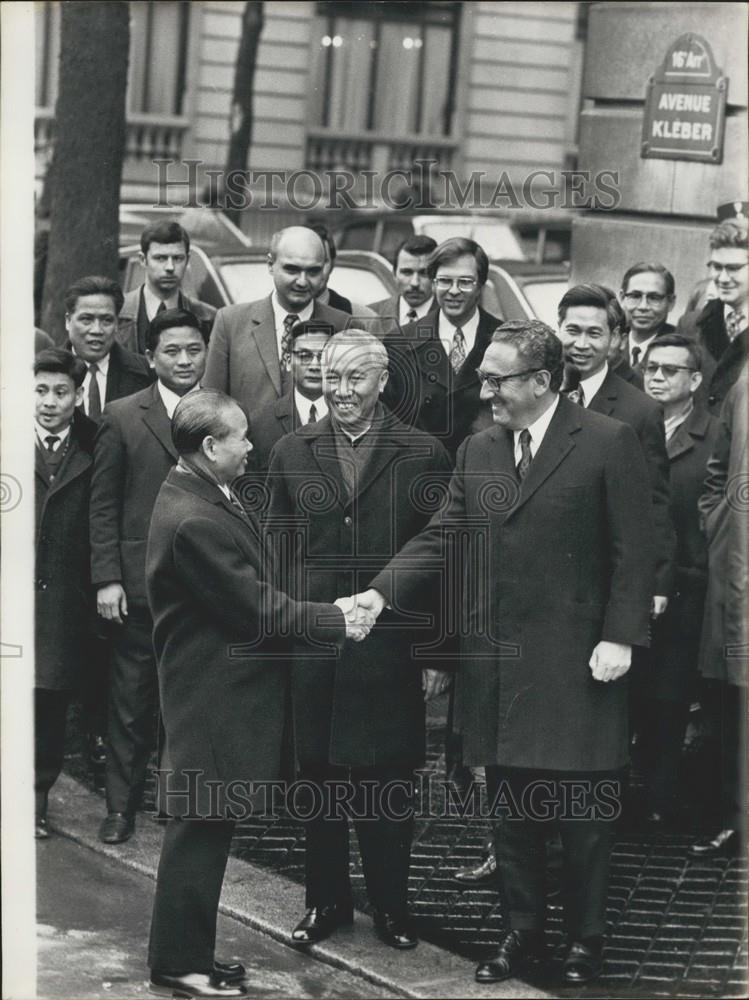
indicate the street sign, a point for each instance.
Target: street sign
{"x":685,"y":105}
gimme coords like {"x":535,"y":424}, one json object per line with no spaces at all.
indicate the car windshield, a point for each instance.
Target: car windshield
{"x":246,"y":280}
{"x":544,"y":297}
{"x":496,"y":236}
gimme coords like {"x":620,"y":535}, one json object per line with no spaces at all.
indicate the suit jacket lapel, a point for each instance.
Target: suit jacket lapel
{"x":264,"y":332}
{"x":605,"y":399}
{"x":556,"y":445}
{"x":713,"y":327}
{"x":40,"y":466}
{"x":156,"y":420}
{"x":74,"y":464}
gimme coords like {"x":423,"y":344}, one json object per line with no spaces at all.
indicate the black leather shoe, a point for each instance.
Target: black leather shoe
{"x":584,"y":962}
{"x":194,"y":984}
{"x":481,"y":874}
{"x":724,"y":843}
{"x":229,"y":971}
{"x":395,"y":931}
{"x":41,"y":830}
{"x":116,"y":828}
{"x":97,"y":750}
{"x":515,"y":952}
{"x":320,"y":922}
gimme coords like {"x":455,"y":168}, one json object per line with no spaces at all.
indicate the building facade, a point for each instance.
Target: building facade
{"x":478,"y":86}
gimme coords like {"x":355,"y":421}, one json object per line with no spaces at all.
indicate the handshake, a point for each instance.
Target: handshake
{"x":361,"y":612}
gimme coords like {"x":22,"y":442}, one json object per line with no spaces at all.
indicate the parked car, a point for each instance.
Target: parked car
{"x":222,"y":277}
{"x":525,"y":291}
{"x":539,"y":237}
{"x":225,"y":268}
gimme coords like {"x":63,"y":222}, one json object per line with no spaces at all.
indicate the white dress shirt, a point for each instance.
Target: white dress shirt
{"x":592,"y":384}
{"x":170,"y":399}
{"x":42,"y":433}
{"x":447,"y":329}
{"x":303,"y":406}
{"x":404,"y":308}
{"x":280,"y":314}
{"x":537,"y":430}
{"x":643,"y":346}
{"x":101,"y":378}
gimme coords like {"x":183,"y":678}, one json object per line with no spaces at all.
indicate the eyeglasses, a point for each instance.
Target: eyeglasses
{"x":652,"y":298}
{"x":715,"y":268}
{"x":464,"y":284}
{"x":307,"y":357}
{"x":651,"y":368}
{"x":495,"y":382}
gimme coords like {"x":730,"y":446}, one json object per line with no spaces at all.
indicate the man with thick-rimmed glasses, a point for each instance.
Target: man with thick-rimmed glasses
{"x":722,"y":327}
{"x":559,"y":495}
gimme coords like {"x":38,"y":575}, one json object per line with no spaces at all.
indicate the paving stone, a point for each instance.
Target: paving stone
{"x":677,"y":925}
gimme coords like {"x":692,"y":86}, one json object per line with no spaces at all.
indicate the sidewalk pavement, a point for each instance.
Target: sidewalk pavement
{"x":92,"y":915}
{"x":264,"y":901}
{"x":677,"y":926}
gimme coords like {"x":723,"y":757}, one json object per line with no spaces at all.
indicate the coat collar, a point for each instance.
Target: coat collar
{"x":558,"y":442}
{"x":683,"y":439}
{"x":210,"y":492}
{"x":392,"y":438}
{"x":74,"y":464}
{"x":155,"y":418}
{"x":712,"y":325}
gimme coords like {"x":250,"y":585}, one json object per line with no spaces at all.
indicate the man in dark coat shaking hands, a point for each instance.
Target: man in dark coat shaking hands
{"x":551,"y":601}
{"x":222,"y":681}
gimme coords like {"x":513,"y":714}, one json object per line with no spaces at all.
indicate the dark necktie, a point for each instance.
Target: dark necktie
{"x":288,"y":322}
{"x":235,"y":501}
{"x":525,"y":454}
{"x":458,"y":351}
{"x":636,"y":352}
{"x":411,"y":315}
{"x":51,"y":441}
{"x":94,"y":397}
{"x":162,"y":308}
{"x":581,"y":395}
{"x":312,"y":414}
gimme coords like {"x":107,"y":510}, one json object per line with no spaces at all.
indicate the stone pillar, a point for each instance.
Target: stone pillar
{"x":667,"y":207}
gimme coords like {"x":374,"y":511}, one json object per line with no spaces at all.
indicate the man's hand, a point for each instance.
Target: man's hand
{"x":359,"y":619}
{"x":659,"y":606}
{"x":610,"y":660}
{"x":434,"y":682}
{"x":372,"y":600}
{"x":111,"y":603}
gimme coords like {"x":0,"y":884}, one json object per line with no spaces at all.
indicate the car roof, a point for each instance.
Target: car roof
{"x":209,"y":228}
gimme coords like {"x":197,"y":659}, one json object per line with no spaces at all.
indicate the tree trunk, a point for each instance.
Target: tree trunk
{"x":86,"y":168}
{"x":241,"y":105}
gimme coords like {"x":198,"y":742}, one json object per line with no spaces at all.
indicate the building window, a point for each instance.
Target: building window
{"x":158,"y":54}
{"x":387,"y":67}
{"x":158,"y":50}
